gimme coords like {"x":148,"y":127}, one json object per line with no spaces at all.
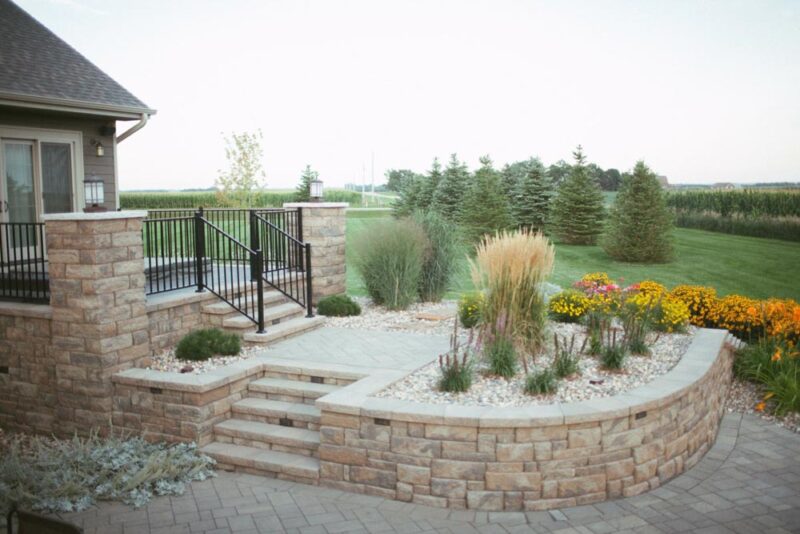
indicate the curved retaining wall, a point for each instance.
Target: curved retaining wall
{"x":530,"y":458}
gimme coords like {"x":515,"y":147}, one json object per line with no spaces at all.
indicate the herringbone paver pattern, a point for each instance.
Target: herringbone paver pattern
{"x":748,"y":483}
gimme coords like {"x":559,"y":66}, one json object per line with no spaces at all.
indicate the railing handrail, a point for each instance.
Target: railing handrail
{"x":278,"y":229}
{"x":226,"y":234}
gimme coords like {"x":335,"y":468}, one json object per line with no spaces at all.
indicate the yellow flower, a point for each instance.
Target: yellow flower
{"x":760,"y":406}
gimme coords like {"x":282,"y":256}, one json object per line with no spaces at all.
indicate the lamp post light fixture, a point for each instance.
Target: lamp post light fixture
{"x":93,"y":189}
{"x":316,"y":190}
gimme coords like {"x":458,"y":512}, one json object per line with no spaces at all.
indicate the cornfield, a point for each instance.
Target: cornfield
{"x":211,"y":199}
{"x":748,"y":202}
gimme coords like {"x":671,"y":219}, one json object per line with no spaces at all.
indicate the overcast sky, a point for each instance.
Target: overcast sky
{"x":702,"y":91}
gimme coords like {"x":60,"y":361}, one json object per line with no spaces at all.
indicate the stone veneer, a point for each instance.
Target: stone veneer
{"x":526,"y":458}
{"x":324,"y":225}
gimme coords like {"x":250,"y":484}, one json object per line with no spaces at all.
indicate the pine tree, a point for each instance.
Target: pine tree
{"x":410,"y":199}
{"x":532,"y":198}
{"x":450,"y":190}
{"x":485,"y":208}
{"x":303,"y":191}
{"x":513,"y":173}
{"x":431,"y":182}
{"x":577,"y":216}
{"x":639,"y":225}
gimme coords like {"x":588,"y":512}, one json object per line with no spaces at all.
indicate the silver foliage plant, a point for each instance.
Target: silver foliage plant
{"x":50,"y":475}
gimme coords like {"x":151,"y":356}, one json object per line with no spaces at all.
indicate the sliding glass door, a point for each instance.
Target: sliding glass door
{"x":19,"y":198}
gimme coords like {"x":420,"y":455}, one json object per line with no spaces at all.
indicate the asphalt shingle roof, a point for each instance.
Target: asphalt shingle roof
{"x":36,"y":62}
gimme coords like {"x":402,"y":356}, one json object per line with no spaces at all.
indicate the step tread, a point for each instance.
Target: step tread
{"x":291,"y":387}
{"x":222,"y":308}
{"x":269,"y":433}
{"x":284,"y":329}
{"x":271,"y":313}
{"x":274,"y":461}
{"x":275,"y":408}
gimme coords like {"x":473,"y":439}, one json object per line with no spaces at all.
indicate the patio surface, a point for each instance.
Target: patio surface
{"x":749,"y":482}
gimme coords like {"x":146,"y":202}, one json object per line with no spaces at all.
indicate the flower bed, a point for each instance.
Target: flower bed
{"x":592,"y":381}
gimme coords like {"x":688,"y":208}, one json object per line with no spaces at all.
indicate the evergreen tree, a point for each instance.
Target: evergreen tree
{"x":513,"y":173}
{"x":639,"y":226}
{"x":577,"y":215}
{"x":303,"y":191}
{"x":450,"y":189}
{"x":532,"y":198}
{"x":410,"y":199}
{"x":430,"y":183}
{"x":485,"y":208}
{"x":558,"y":172}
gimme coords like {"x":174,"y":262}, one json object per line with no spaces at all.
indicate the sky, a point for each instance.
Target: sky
{"x":703,"y":91}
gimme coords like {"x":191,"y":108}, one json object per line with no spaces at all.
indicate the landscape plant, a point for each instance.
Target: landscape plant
{"x":338,"y":306}
{"x":202,"y":344}
{"x":303,"y":191}
{"x":450,"y":190}
{"x":55,"y":476}
{"x":389,"y":256}
{"x":499,"y":352}
{"x":566,"y":359}
{"x":577,"y":211}
{"x":568,"y":306}
{"x":245,"y":172}
{"x":532,"y":197}
{"x":509,"y":270}
{"x":614,"y":352}
{"x":639,"y":225}
{"x":456,"y":366}
{"x":469,"y":309}
{"x":773,"y":364}
{"x":442,"y":255}
{"x":541,"y":382}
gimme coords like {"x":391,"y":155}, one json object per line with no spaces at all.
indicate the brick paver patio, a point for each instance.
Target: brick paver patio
{"x":748,"y":483}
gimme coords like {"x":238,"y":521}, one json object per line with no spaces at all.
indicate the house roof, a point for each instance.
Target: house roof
{"x":39,"y":70}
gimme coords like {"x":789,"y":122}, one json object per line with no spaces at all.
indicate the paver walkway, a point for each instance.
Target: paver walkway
{"x":373,"y":349}
{"x":748,"y":483}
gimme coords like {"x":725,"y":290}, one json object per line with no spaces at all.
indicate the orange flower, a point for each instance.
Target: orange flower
{"x":751,"y":311}
{"x":760,"y":406}
{"x":777,"y":356}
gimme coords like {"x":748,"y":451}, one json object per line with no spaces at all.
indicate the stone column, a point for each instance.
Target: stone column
{"x":99,"y":319}
{"x":324,"y":228}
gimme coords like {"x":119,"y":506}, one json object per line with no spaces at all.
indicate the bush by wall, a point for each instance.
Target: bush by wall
{"x":203,"y":344}
{"x":338,"y":306}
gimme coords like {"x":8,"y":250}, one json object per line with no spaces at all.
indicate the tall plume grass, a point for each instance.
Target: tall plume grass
{"x":509,"y":268}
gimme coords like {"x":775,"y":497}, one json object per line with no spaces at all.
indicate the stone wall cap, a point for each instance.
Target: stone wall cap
{"x":101,"y":216}
{"x":316,"y":205}
{"x":24,"y":309}
{"x":192,"y":382}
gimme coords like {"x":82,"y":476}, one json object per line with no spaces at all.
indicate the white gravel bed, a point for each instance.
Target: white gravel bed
{"x":166,"y":361}
{"x":421,"y":318}
{"x":591,"y":382}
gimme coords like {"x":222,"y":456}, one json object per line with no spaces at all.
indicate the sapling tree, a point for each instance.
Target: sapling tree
{"x":245,"y":173}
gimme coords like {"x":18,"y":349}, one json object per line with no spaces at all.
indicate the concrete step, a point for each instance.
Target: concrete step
{"x":269,"y":462}
{"x":274,"y":409}
{"x":274,"y":314}
{"x":223,"y":308}
{"x":266,"y":433}
{"x":292,"y":388}
{"x":285,"y":329}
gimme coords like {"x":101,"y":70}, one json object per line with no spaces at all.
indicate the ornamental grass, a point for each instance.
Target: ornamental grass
{"x":509,"y":269}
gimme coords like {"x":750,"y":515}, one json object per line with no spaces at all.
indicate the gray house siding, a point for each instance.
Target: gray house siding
{"x":103,"y":167}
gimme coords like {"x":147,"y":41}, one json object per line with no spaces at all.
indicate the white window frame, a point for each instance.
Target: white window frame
{"x":46,"y":135}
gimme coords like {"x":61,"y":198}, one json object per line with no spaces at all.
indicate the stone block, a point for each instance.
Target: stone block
{"x":342,"y":455}
{"x":491,"y":501}
{"x":451,"y":433}
{"x":514,"y":481}
{"x":573,"y":487}
{"x":414,"y":474}
{"x":458,"y":469}
{"x":583,"y":437}
{"x":452,"y":489}
{"x":514,"y":452}
{"x":373,"y":477}
{"x":416,"y":447}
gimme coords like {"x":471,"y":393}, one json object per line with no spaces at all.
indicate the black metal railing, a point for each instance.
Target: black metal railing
{"x":287,"y":263}
{"x":169,"y":253}
{"x":236,"y":221}
{"x":223,"y":266}
{"x":23,"y":263}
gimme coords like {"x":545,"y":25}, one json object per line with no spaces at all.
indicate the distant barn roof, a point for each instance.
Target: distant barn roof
{"x":38,"y":67}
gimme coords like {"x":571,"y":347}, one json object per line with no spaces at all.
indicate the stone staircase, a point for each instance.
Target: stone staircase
{"x":283,"y":318}
{"x":274,"y":429}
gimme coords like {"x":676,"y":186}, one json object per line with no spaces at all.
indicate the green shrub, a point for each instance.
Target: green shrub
{"x":639,"y":227}
{"x":636,"y":325}
{"x":577,"y":210}
{"x":469,"y":309}
{"x":338,"y":306}
{"x":568,"y":306}
{"x":203,"y":344}
{"x":775,"y":365}
{"x":566,"y":361}
{"x":456,"y":372}
{"x":442,"y":256}
{"x":541,"y":383}
{"x":612,"y":357}
{"x":501,"y":356}
{"x":389,"y":256}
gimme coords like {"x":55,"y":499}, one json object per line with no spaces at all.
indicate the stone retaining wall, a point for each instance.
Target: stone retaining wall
{"x":531,"y":458}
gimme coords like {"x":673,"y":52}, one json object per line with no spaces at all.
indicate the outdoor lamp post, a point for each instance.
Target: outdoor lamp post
{"x":316,"y":190}
{"x":93,"y":193}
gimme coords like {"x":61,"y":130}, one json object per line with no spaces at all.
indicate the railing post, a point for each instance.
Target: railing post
{"x":309,"y":290}
{"x":259,"y":259}
{"x":299,"y":228}
{"x":255,"y":265}
{"x":199,"y":249}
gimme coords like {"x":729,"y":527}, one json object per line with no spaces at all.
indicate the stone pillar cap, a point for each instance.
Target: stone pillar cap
{"x":98,"y":216}
{"x":316,"y":205}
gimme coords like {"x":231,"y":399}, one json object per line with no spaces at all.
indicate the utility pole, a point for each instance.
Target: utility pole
{"x":363,"y":184}
{"x":373,"y":173}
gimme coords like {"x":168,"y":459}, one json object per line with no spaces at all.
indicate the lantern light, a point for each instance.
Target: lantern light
{"x":93,"y":191}
{"x":316,"y":190}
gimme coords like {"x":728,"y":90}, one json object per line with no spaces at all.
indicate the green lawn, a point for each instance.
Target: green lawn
{"x":750,"y":266}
